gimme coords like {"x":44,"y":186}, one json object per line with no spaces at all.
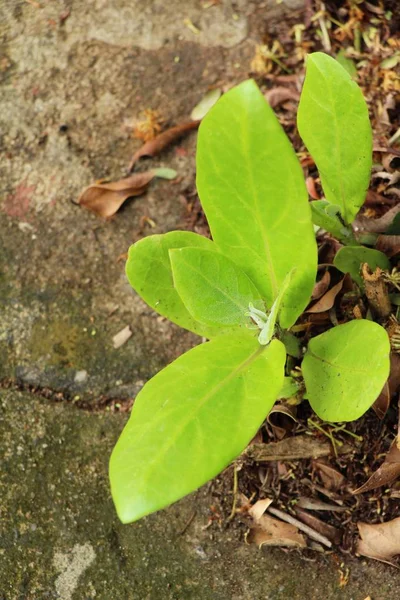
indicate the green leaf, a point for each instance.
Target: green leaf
{"x":327,"y":216}
{"x":165,"y":173}
{"x":208,"y":101}
{"x":342,"y":382}
{"x":149,"y":272}
{"x":269,"y":328}
{"x":334,"y":125}
{"x":350,"y":258}
{"x":394,"y":227}
{"x":213,"y":288}
{"x":347,"y":63}
{"x":289,"y":388}
{"x":292,"y":343}
{"x":252,"y":190}
{"x":191,"y":420}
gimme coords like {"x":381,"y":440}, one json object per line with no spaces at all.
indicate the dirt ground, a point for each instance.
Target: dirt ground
{"x":73,"y":76}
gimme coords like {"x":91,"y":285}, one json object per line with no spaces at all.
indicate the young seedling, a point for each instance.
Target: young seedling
{"x":245,"y":290}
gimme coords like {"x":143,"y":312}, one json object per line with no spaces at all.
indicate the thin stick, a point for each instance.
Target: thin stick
{"x":310,"y":532}
{"x":235,"y":489}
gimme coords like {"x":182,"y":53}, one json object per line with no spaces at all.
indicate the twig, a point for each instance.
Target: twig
{"x":234,"y":491}
{"x":187,"y":524}
{"x":310,"y":532}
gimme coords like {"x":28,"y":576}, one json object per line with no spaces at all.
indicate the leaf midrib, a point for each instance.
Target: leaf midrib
{"x":171,"y":440}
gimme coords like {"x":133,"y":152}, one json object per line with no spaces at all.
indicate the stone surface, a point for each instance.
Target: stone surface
{"x":73,"y":75}
{"x":60,"y":537}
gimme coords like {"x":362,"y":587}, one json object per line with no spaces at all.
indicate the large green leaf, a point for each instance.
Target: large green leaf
{"x":334,"y":125}
{"x":192,"y":419}
{"x":350,"y":258}
{"x":252,"y":190}
{"x":341,"y":379}
{"x":213,"y":288}
{"x":149,"y":272}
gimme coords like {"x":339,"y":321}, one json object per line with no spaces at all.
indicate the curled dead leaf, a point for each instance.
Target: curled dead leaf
{"x":380,"y":225}
{"x":312,"y":190}
{"x":388,"y":244}
{"x":161,"y":141}
{"x":387,"y":473}
{"x":381,"y":541}
{"x":327,"y":300}
{"x":281,"y":94}
{"x":321,"y":286}
{"x":105,"y":199}
{"x":282,"y":419}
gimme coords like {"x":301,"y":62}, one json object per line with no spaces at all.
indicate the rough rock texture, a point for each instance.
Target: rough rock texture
{"x":72,"y":74}
{"x":60,"y":537}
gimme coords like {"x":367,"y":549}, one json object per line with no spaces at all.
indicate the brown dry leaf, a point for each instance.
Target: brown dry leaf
{"x":105,"y":199}
{"x":294,"y":448}
{"x":321,"y":286}
{"x":281,"y":94}
{"x":394,"y":377}
{"x":328,"y":299}
{"x":271,"y":532}
{"x":392,"y":385}
{"x":161,"y":141}
{"x":330,"y":477}
{"x":258,"y":509}
{"x":333,"y":534}
{"x":381,"y":404}
{"x":380,"y":225}
{"x":381,"y":541}
{"x":388,"y":244}
{"x":374,"y":198}
{"x":388,"y":472}
{"x":282,"y":419}
{"x":312,"y":190}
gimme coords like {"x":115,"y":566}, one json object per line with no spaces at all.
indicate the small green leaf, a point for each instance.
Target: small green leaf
{"x":213,"y":288}
{"x":292,"y":343}
{"x":342,"y":382}
{"x":252,"y":190}
{"x":207,"y":102}
{"x":327,"y":216}
{"x":269,"y":328}
{"x":334,"y":125}
{"x":191,"y":420}
{"x":289,"y":388}
{"x":350,"y":258}
{"x":165,"y":173}
{"x":394,"y":227}
{"x":149,"y":272}
{"x":347,"y":63}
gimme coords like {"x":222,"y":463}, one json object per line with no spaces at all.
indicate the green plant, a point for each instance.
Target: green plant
{"x":245,"y":290}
